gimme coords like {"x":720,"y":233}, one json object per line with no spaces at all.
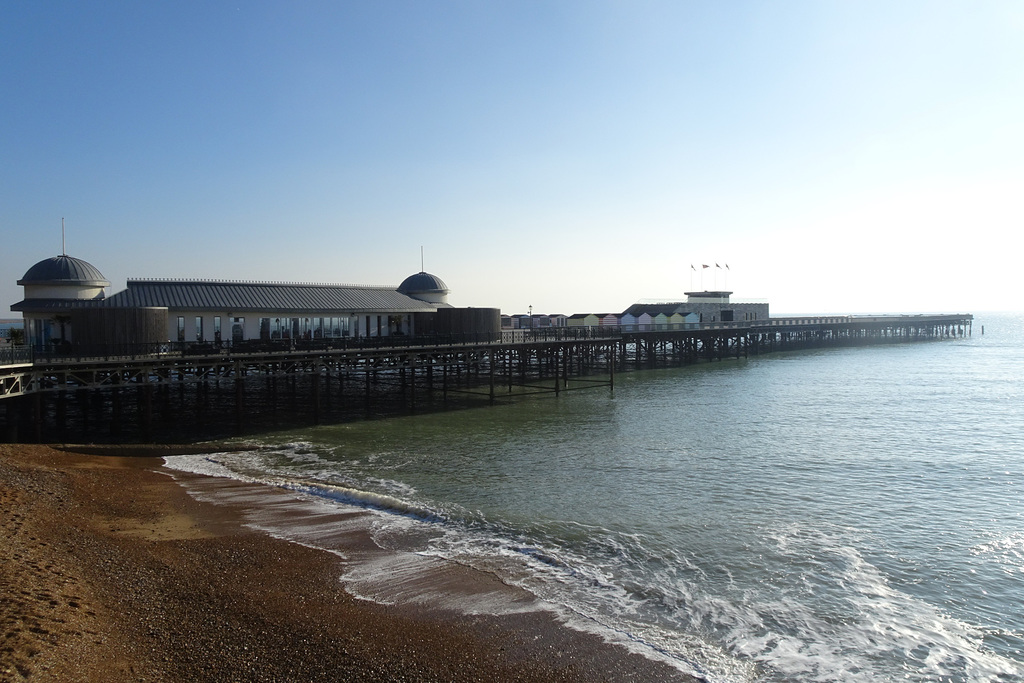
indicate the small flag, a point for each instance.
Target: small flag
{"x":718,"y":266}
{"x":727,"y":266}
{"x":704,"y":265}
{"x":691,"y":267}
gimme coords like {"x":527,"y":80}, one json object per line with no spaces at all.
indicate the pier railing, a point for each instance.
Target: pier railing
{"x":15,"y":355}
{"x":80,"y":352}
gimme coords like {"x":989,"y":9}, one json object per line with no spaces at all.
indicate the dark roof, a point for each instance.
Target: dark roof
{"x":43,"y":305}
{"x":669,"y":308}
{"x":64,"y":270}
{"x":265,"y":296}
{"x":421,"y":283}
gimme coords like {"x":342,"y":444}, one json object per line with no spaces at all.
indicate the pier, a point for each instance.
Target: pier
{"x":176,"y":391}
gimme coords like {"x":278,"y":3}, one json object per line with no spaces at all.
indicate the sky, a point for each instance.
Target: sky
{"x":839,"y":157}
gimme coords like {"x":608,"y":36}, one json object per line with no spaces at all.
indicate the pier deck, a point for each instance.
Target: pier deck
{"x":117,"y":393}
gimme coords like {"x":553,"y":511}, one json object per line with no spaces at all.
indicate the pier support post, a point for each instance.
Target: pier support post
{"x":147,"y":410}
{"x":612,"y":351}
{"x":316,"y":395}
{"x":490,"y":365}
{"x":239,"y":397}
{"x":11,"y":406}
{"x":366,"y":397}
{"x":37,"y":417}
{"x":60,"y":417}
{"x":115,"y":409}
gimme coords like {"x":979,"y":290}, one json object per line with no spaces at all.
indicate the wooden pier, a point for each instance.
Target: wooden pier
{"x":180,"y":392}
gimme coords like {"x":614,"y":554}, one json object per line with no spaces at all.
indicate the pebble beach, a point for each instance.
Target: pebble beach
{"x":111,"y":572}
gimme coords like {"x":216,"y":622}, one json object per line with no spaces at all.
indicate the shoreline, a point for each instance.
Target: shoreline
{"x":117,"y":573}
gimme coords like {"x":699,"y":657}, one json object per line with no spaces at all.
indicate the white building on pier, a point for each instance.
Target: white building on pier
{"x":59,"y":290}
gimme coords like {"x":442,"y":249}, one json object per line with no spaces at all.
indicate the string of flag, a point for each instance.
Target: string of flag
{"x":703,"y":267}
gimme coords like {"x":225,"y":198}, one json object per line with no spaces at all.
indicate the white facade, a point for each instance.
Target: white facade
{"x":204,"y":326}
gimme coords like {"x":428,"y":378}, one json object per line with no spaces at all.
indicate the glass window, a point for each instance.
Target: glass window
{"x":237,"y":329}
{"x":181,"y":328}
{"x":265,"y":329}
{"x":216,"y":328}
{"x":199,"y":328}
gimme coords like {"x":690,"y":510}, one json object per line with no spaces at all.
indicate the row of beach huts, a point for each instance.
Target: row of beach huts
{"x":638,"y":317}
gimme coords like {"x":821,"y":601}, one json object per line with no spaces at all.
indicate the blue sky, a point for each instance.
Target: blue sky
{"x":570,"y":156}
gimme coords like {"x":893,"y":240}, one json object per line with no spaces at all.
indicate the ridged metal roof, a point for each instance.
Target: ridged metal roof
{"x":265,"y":296}
{"x":64,"y":269}
{"x":422,"y":283}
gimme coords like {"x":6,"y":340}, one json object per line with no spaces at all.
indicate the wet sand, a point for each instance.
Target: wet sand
{"x":110,"y":571}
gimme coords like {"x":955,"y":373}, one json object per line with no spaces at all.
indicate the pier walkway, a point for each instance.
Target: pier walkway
{"x":106,"y":392}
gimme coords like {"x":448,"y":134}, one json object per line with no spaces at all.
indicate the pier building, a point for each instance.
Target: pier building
{"x":214,"y":311}
{"x":65,"y":302}
{"x":715,"y":306}
{"x":704,"y":307}
{"x":53,"y":288}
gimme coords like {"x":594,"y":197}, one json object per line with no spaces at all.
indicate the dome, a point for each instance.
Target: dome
{"x":64,"y":270}
{"x":422,"y":283}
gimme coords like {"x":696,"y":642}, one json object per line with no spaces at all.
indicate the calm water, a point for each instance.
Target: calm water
{"x":852,"y":514}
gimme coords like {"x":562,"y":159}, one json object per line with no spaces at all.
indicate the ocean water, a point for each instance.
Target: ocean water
{"x":832,"y":515}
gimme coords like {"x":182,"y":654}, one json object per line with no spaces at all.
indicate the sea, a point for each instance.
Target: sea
{"x":850,"y":514}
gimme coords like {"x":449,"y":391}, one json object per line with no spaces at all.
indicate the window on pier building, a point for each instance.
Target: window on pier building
{"x":216,"y":328}
{"x":199,"y":328}
{"x":181,"y":328}
{"x":237,"y":329}
{"x":338,"y":327}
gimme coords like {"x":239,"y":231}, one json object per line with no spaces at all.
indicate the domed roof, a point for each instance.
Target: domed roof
{"x":422,"y":283}
{"x":64,"y":270}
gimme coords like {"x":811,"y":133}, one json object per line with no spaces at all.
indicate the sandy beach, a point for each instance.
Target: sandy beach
{"x":112,"y":572}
